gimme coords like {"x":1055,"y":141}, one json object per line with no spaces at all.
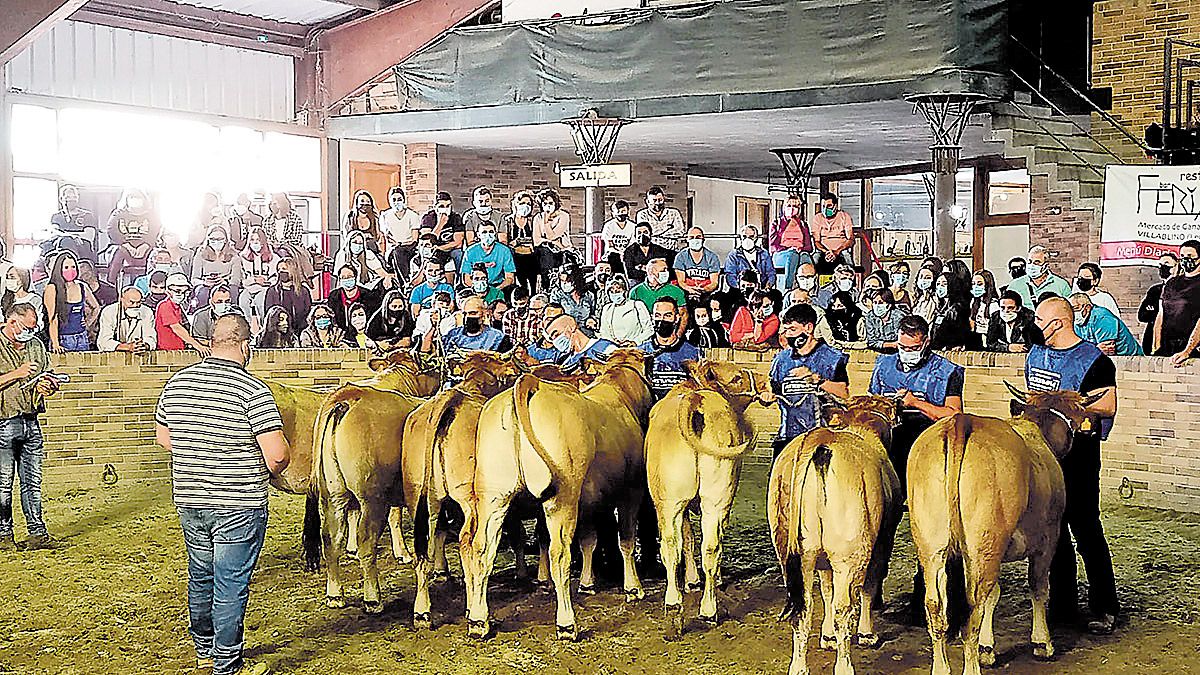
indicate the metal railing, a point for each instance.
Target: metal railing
{"x":1067,"y":118}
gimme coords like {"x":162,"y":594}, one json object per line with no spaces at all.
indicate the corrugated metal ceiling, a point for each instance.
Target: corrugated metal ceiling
{"x":291,"y":11}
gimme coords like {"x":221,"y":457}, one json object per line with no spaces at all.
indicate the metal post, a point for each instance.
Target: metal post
{"x":945,"y":171}
{"x":593,"y":214}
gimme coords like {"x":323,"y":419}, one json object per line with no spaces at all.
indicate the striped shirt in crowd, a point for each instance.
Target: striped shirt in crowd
{"x":214,"y":411}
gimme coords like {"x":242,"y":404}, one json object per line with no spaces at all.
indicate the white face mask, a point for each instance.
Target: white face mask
{"x":13,"y":285}
{"x":845,"y":284}
{"x":216,"y":244}
{"x":483,"y":211}
{"x":806,"y":283}
{"x":523,"y":210}
{"x":1008,"y":317}
{"x":133,"y":313}
{"x":747,"y":244}
{"x":548,"y":208}
{"x":443,"y":210}
{"x":616,"y":298}
{"x":359,"y":322}
{"x":664,"y":276}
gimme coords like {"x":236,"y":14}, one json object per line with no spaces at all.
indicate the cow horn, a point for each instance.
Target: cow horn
{"x":1021,"y":396}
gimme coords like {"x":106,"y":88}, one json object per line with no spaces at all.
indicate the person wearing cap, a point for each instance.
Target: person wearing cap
{"x":171,"y":323}
{"x":749,"y":255}
{"x":842,"y":281}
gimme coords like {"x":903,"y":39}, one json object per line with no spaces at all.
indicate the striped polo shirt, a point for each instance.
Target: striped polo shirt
{"x":214,"y":410}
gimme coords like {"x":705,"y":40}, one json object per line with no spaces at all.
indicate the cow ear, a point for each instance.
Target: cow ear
{"x":832,"y":414}
{"x":377,"y":364}
{"x":1016,"y":408}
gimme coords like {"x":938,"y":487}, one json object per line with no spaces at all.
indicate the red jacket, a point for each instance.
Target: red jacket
{"x":743,"y":327}
{"x":777,"y":234}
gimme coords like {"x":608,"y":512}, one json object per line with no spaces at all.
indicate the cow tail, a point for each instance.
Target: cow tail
{"x":956,"y":447}
{"x":523,"y":393}
{"x":691,"y":425}
{"x":437,"y":423}
{"x":310,"y":536}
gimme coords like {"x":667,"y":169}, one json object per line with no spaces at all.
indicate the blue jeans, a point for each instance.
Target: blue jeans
{"x":787,"y":262}
{"x":22,"y":454}
{"x":223,"y":547}
{"x":75,"y":342}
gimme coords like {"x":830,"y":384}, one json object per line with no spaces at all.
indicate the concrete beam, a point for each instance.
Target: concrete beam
{"x":26,"y":20}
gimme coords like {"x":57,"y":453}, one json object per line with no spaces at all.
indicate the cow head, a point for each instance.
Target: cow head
{"x":1058,"y":414}
{"x":628,"y":357}
{"x":876,"y":414}
{"x":729,"y":379}
{"x":400,"y":370}
{"x":486,"y":372}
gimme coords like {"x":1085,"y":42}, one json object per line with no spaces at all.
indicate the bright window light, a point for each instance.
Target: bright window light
{"x":34,"y":201}
{"x":34,"y":139}
{"x":291,"y":163}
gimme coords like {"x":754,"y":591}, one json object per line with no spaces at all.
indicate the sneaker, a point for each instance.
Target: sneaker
{"x":38,"y":541}
{"x":1103,"y":625}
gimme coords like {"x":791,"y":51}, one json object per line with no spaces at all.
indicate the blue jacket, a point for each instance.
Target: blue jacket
{"x":543,"y":354}
{"x":928,"y":382}
{"x":668,"y":368}
{"x":598,"y":349}
{"x":799,"y":405}
{"x":736,"y":263}
{"x":457,"y":339}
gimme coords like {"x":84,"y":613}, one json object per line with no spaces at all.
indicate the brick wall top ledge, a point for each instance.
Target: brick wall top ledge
{"x":74,"y":361}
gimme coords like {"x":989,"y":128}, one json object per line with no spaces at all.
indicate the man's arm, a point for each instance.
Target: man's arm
{"x":275,"y":449}
{"x":952,"y":405}
{"x":162,"y":436}
{"x":714,"y":280}
{"x":1107,"y":405}
{"x":187,"y":338}
{"x":1186,"y":352}
{"x":105,"y":341}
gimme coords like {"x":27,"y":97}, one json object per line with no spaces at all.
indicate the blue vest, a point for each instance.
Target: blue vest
{"x":597,"y":351}
{"x":799,"y":405}
{"x":668,"y":368}
{"x":1049,"y":369}
{"x":928,"y":382}
{"x":490,"y":340}
{"x":543,"y":354}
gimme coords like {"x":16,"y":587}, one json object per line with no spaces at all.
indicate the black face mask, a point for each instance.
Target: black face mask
{"x":285,"y":278}
{"x":601,"y":279}
{"x":643,"y":240}
{"x":472,"y":325}
{"x":1188,"y":265}
{"x":498,"y":324}
{"x":664,"y":329}
{"x":521,"y":310}
{"x":622,"y":217}
{"x":797,"y":341}
{"x":363,"y":208}
{"x":1165,"y":272}
{"x":1085,"y":285}
{"x":1016,"y":272}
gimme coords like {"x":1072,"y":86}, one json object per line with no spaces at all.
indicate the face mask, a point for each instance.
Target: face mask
{"x":924,"y":284}
{"x":347,"y":284}
{"x":766,"y":312}
{"x":178,"y":298}
{"x":1008,"y":317}
{"x":479,"y":287}
{"x":748,"y":244}
{"x":1051,"y":328}
{"x":910,"y":359}
{"x":156,"y":298}
{"x":900,"y":278}
{"x":602,"y":278}
{"x":426,"y":252}
{"x":880,"y":309}
{"x":622,"y":217}
{"x":1036,"y":270}
{"x":790,"y":211}
{"x":716,"y":314}
{"x":806,"y":283}
{"x":472,"y":325}
{"x":487,"y":238}
{"x":520,"y":310}
{"x":133,"y":313}
{"x":285,"y":278}
{"x":562,"y":343}
{"x":942,"y":291}
{"x":483,"y":211}
{"x":568,"y":287}
{"x":845,"y":284}
{"x":323,"y":323}
{"x":135,"y":203}
{"x":547,"y":208}
{"x":395,"y":311}
{"x":443,"y":210}
{"x":830,"y":212}
{"x":1016,"y":272}
{"x":216,"y":244}
{"x":13,"y":285}
{"x":664,"y":329}
{"x":70,"y":275}
{"x":357,"y":248}
{"x":256,"y":247}
{"x":797,"y":341}
{"x":616,"y":298}
{"x":221,"y":308}
{"x":1189,"y":265}
{"x":1080,"y":319}
{"x":523,"y":210}
{"x":643,"y":240}
{"x":399,"y":204}
{"x":977,"y":291}
{"x":363,"y":208}
{"x":26,"y":335}
{"x":701,"y":320}
{"x":663,"y":277}
{"x":747,"y":290}
{"x":162,"y":267}
{"x":1084,"y":285}
{"x":1165,"y":272}
{"x":359,"y":322}
{"x":658,"y":207}
{"x":695,"y":244}
{"x":432,"y":280}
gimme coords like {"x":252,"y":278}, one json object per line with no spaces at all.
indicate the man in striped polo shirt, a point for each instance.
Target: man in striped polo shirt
{"x":225,"y":436}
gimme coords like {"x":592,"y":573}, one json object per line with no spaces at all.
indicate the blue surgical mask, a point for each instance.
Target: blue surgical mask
{"x":942,"y":291}
{"x":479,"y":286}
{"x":616,"y":298}
{"x":357,"y":248}
{"x":323,"y":323}
{"x":1080,"y":319}
{"x":26,"y":335}
{"x":977,"y":291}
{"x":487,"y":238}
{"x":924,"y":284}
{"x":348,"y":284}
{"x":1034,"y":270}
{"x":221,"y":308}
{"x":562,"y":343}
{"x":900,"y":278}
{"x":880,"y":309}
{"x":695,"y":244}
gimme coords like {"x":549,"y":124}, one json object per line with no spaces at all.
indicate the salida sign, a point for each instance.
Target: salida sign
{"x":1148,"y":211}
{"x":600,"y":175}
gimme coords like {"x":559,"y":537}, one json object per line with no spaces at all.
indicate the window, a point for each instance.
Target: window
{"x":34,"y":139}
{"x":1008,"y":192}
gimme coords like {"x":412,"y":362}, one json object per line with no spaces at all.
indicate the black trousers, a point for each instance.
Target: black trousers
{"x":904,"y":435}
{"x":527,"y":270}
{"x":1081,"y":470}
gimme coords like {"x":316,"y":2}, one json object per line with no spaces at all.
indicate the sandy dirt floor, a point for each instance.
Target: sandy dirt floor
{"x":110,"y":598}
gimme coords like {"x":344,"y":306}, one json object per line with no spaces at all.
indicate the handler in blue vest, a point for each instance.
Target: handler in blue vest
{"x":799,"y":373}
{"x":1067,"y":363}
{"x":668,"y":348}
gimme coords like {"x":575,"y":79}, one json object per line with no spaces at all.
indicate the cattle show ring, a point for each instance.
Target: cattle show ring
{"x":497,"y":525}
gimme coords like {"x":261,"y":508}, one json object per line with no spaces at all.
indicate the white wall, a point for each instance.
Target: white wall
{"x":714,"y":206}
{"x":523,"y":10}
{"x":1001,"y":243}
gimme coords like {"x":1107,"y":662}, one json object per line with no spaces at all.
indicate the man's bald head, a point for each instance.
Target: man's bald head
{"x":474,"y":306}
{"x":563,"y":325}
{"x":230,"y":331}
{"x":1055,"y":308}
{"x":1081,"y":306}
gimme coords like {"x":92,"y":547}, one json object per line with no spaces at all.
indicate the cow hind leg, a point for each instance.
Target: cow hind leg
{"x":865,"y":634}
{"x":802,"y":622}
{"x":691,"y":574}
{"x":828,"y":634}
{"x":672,"y":523}
{"x":333,"y":540}
{"x":714,"y":515}
{"x":395,"y":528}
{"x":543,"y":538}
{"x":514,"y":532}
{"x":561,"y":519}
{"x":847,"y":590}
{"x":627,"y":523}
{"x":987,"y":636}
{"x":937,"y":598}
{"x":353,"y":519}
{"x":1039,"y":586}
{"x":483,"y":557}
{"x":424,"y":521}
{"x":369,"y":531}
{"x":587,"y":549}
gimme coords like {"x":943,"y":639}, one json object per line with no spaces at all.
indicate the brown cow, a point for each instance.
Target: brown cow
{"x":833,"y":502}
{"x":1010,"y":472}
{"x":576,"y":452}
{"x":697,"y":436}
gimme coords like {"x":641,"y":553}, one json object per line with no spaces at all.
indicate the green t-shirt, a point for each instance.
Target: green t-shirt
{"x":647,"y":295}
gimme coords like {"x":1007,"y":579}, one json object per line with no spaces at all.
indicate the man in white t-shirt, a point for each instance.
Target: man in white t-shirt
{"x":617,"y":235}
{"x":400,"y":226}
{"x":665,"y":222}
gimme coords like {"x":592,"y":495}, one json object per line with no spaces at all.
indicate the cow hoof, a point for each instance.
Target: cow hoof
{"x":373,"y":607}
{"x":566,"y":633}
{"x":634,"y":594}
{"x":869,"y":640}
{"x":695,"y":586}
{"x":544,"y":586}
{"x":352,"y":556}
{"x":1043,"y":651}
{"x":404,"y":559}
{"x":710,"y":621}
{"x":440,"y":577}
{"x":587,"y":589}
{"x":829,"y":643}
{"x":674,"y":627}
{"x":479,"y":629}
{"x":335,"y":603}
{"x":422,"y":622}
{"x":987,"y":656}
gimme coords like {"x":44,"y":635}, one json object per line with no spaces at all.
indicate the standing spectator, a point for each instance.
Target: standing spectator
{"x":364,"y":219}
{"x":217,"y":264}
{"x":392,"y":326}
{"x":156,"y":290}
{"x":656,"y":285}
{"x":522,"y":324}
{"x":127,"y":325}
{"x":349,"y":293}
{"x":951,"y":328}
{"x":791,"y":241}
{"x":623,"y":321}
{"x":1012,"y":329}
{"x":171,"y":324}
{"x":900,"y":277}
{"x":321,"y":332}
{"x":984,"y":303}
{"x":181,"y":257}
{"x":925,"y":300}
{"x":225,"y":437}
{"x":756,"y":325}
{"x":133,"y":218}
{"x":842,"y":282}
{"x":1102,"y":328}
{"x":846,"y":321}
{"x":1039,"y":279}
{"x":516,"y":232}
{"x":104,"y":292}
{"x":1168,"y":266}
{"x":278,"y":331}
{"x":446,"y":226}
{"x":617,"y":235}
{"x":260,"y":271}
{"x":219,"y":304}
{"x":292,"y":293}
{"x":481,"y":199}
{"x":367,"y":265}
{"x":282,"y":224}
{"x":17,"y":290}
{"x":551,"y":234}
{"x":356,"y":328}
{"x":70,"y":306}
{"x":400,"y":227}
{"x":750,"y":255}
{"x":882,"y":319}
{"x":23,"y":359}
{"x":1177,"y":331}
{"x":706,"y":333}
{"x":571,"y":292}
{"x":697,"y":269}
{"x":833,"y":235}
{"x":496,"y":258}
{"x":1088,"y":281}
{"x":666,"y":223}
{"x":641,"y":252}
{"x":241,"y":220}
{"x":75,"y":222}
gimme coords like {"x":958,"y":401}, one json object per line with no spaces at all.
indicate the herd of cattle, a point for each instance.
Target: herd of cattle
{"x":513,"y":441}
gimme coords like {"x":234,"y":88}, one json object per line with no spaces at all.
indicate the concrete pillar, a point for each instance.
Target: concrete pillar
{"x":945,"y":171}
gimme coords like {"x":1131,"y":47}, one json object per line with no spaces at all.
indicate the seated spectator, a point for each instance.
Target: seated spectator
{"x":523,"y":321}
{"x":70,"y":306}
{"x":127,"y":325}
{"x":435,"y":322}
{"x":925,"y":301}
{"x":901,"y":273}
{"x":426,"y":251}
{"x":623,"y":321}
{"x":571,"y":292}
{"x":1088,"y":281}
{"x":718,"y":312}
{"x":278,"y":331}
{"x":597,"y":283}
{"x":291,"y":292}
{"x":517,"y":232}
{"x":363,"y":220}
{"x":618,"y":233}
{"x":496,"y":311}
{"x":473,"y":334}
{"x":260,"y":271}
{"x":875,"y":281}
{"x":846,"y":321}
{"x":791,"y":242}
{"x":951,"y":327}
{"x":881,"y":322}
{"x":984,"y":303}
{"x":433,"y":281}
{"x":697,"y":269}
{"x":392,"y":326}
{"x":479,"y":287}
{"x":348,"y":293}
{"x":551,"y":235}
{"x":643,"y":250}
{"x":220,"y":303}
{"x":156,"y":291}
{"x":160,"y":261}
{"x":322,"y":332}
{"x":704,"y":332}
{"x":171,"y":324}
{"x":367,"y":265}
{"x":833,"y":235}
{"x":804,"y":293}
{"x":842,"y":282}
{"x":104,"y":292}
{"x":756,"y":325}
{"x":356,"y":328}
{"x":656,"y":285}
{"x":216,"y":264}
{"x":739,"y":294}
{"x":169,"y":241}
{"x":1011,"y":329}
{"x":1103,"y":328}
{"x":496,"y":259}
{"x":446,"y":226}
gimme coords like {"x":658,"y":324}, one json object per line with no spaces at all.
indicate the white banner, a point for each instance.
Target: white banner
{"x":600,"y":175}
{"x":1148,"y":211}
